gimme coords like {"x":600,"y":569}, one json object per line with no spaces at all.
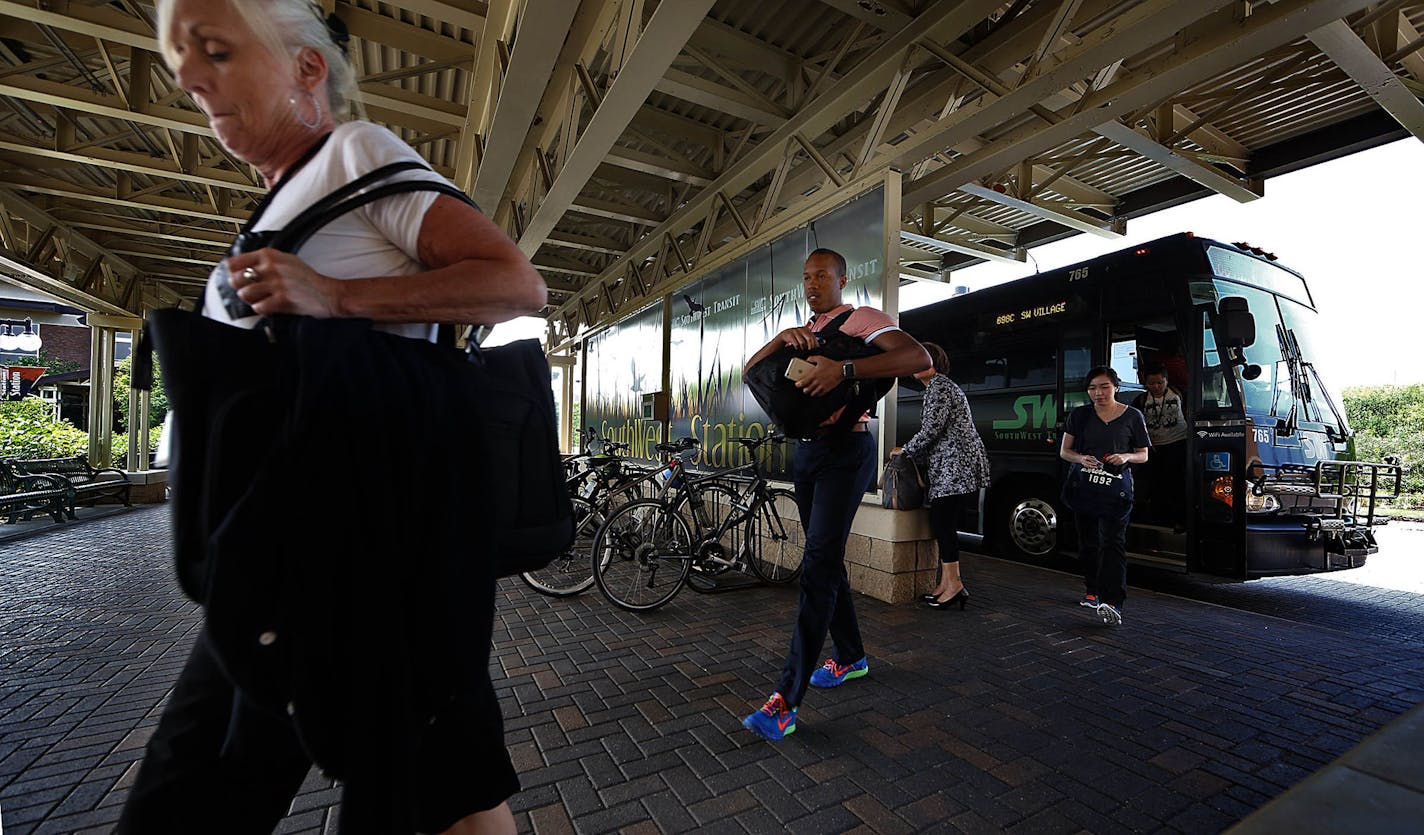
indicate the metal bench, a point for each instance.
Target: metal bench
{"x":89,"y":484}
{"x":22,"y":496}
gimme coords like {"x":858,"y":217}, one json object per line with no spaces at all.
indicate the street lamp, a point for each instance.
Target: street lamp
{"x":30,"y":339}
{"x":26,"y":340}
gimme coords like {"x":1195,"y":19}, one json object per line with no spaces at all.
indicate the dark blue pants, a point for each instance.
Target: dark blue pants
{"x":1103,"y":552}
{"x":831,"y":475}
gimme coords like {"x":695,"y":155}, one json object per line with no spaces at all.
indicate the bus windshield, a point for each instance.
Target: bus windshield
{"x":1284,"y":348}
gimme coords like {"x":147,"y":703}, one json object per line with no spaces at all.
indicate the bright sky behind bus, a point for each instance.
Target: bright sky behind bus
{"x":1352,"y":227}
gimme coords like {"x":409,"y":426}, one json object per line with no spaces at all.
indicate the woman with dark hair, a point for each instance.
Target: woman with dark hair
{"x":950,"y":452}
{"x":1104,"y":434}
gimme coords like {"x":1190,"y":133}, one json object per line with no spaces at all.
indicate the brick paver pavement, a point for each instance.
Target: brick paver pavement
{"x":1021,"y":713}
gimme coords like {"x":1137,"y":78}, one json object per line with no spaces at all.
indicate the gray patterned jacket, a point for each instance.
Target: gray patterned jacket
{"x":948,"y":448}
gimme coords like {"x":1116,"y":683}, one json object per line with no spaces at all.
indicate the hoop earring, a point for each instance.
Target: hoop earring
{"x":316,"y":106}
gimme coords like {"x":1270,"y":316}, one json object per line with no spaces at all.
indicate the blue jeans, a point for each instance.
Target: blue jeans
{"x":831,"y":476}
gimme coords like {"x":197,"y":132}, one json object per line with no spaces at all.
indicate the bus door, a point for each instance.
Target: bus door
{"x":1216,"y":457}
{"x":1143,"y":351}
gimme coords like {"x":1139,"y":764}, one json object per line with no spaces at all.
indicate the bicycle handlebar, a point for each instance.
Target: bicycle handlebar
{"x":680,"y":445}
{"x":754,"y":443}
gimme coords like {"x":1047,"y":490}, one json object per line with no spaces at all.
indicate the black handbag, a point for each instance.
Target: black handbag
{"x":1099,"y":493}
{"x":798,"y":414}
{"x":505,"y":400}
{"x":901,"y":486}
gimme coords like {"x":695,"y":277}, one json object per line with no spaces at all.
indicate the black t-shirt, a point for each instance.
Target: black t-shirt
{"x":1125,"y":433}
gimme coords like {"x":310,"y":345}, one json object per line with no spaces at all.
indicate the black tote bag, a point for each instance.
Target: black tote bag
{"x":506,"y":395}
{"x":1100,"y":493}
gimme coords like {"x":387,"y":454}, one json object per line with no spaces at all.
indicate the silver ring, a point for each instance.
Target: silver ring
{"x":250,"y":274}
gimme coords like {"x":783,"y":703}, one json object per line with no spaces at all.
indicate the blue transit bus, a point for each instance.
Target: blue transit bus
{"x":1264,"y":488}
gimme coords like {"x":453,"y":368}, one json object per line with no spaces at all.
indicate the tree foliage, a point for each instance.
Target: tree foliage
{"x":1389,"y":422}
{"x":51,"y":364}
{"x":28,"y":428}
{"x":157,"y":397}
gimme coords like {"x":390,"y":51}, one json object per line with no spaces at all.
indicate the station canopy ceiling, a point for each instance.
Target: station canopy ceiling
{"x":622,"y":142}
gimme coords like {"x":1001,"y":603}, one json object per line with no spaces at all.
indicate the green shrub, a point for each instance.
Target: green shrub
{"x":1389,"y":422}
{"x":28,"y":430}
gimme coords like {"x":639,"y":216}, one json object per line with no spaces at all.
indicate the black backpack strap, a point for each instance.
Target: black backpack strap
{"x":337,"y":195}
{"x":833,"y":327}
{"x":324,"y":211}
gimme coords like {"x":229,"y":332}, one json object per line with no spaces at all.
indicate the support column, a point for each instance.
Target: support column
{"x":565,"y":364}
{"x":101,"y":383}
{"x":139,"y":446}
{"x":666,"y":383}
{"x":890,"y":302}
{"x":101,"y":395}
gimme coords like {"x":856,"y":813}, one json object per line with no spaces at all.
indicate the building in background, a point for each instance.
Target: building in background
{"x":63,"y":341}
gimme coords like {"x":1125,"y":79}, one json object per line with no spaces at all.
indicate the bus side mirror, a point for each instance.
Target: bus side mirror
{"x":1235,"y":327}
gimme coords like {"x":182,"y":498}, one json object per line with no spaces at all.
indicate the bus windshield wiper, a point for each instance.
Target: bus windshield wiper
{"x":1340,"y":431}
{"x":1295,"y":368}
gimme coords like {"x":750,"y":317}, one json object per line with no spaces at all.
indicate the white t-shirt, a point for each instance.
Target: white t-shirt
{"x":1166,"y":423}
{"x":378,"y":239}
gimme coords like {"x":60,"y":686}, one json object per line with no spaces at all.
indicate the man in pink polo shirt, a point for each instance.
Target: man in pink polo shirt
{"x":831,"y":471}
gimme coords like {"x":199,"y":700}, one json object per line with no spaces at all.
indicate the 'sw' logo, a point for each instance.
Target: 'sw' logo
{"x":1036,"y":408}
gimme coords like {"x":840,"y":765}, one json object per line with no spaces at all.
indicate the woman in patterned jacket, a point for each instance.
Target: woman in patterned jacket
{"x":950,"y":452}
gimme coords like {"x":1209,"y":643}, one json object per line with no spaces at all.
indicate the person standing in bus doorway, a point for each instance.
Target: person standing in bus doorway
{"x":1113,"y":435}
{"x":1162,"y":407}
{"x":831,"y":471}
{"x":951,"y":454}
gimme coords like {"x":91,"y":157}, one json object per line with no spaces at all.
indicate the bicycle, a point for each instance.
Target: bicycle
{"x":646,"y":550}
{"x":605,"y":482}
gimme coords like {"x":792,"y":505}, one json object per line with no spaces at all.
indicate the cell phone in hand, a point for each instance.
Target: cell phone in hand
{"x":798,"y":368}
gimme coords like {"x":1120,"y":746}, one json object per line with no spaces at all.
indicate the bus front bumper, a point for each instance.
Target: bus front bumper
{"x":1286,"y":546}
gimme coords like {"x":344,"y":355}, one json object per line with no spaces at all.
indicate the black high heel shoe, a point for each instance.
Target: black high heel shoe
{"x":962,"y":599}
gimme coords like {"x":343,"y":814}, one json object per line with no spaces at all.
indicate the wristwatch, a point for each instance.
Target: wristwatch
{"x":847,"y":371}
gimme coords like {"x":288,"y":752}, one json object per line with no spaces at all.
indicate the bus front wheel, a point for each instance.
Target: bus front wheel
{"x":1028,"y":524}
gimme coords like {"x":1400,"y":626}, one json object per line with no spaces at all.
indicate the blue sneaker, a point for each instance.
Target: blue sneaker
{"x":834,"y":675}
{"x":774,"y":721}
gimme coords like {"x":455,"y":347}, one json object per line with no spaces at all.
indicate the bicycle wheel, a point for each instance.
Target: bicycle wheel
{"x":775,"y":537}
{"x":717,"y":501}
{"x":641,"y":555}
{"x":570,"y":572}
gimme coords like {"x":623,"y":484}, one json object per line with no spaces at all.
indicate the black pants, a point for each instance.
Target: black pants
{"x":831,"y":477}
{"x":1103,"y":553}
{"x":219,"y":764}
{"x":946,"y":512}
{"x":197,"y":777}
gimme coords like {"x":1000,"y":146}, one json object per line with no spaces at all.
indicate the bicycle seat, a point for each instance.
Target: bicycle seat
{"x":680,"y":445}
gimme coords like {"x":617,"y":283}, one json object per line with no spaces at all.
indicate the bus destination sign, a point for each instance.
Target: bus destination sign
{"x":1029,"y":313}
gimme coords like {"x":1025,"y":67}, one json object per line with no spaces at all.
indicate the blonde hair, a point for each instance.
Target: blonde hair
{"x":285,"y":28}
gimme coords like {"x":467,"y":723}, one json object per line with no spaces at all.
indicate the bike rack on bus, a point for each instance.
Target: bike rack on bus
{"x":1353,"y":482}
{"x":1352,"y":490}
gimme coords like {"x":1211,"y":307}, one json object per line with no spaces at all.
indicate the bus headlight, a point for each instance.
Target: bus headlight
{"x":1261,"y":504}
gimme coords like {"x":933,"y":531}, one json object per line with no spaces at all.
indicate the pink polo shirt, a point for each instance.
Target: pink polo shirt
{"x":865,"y":323}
